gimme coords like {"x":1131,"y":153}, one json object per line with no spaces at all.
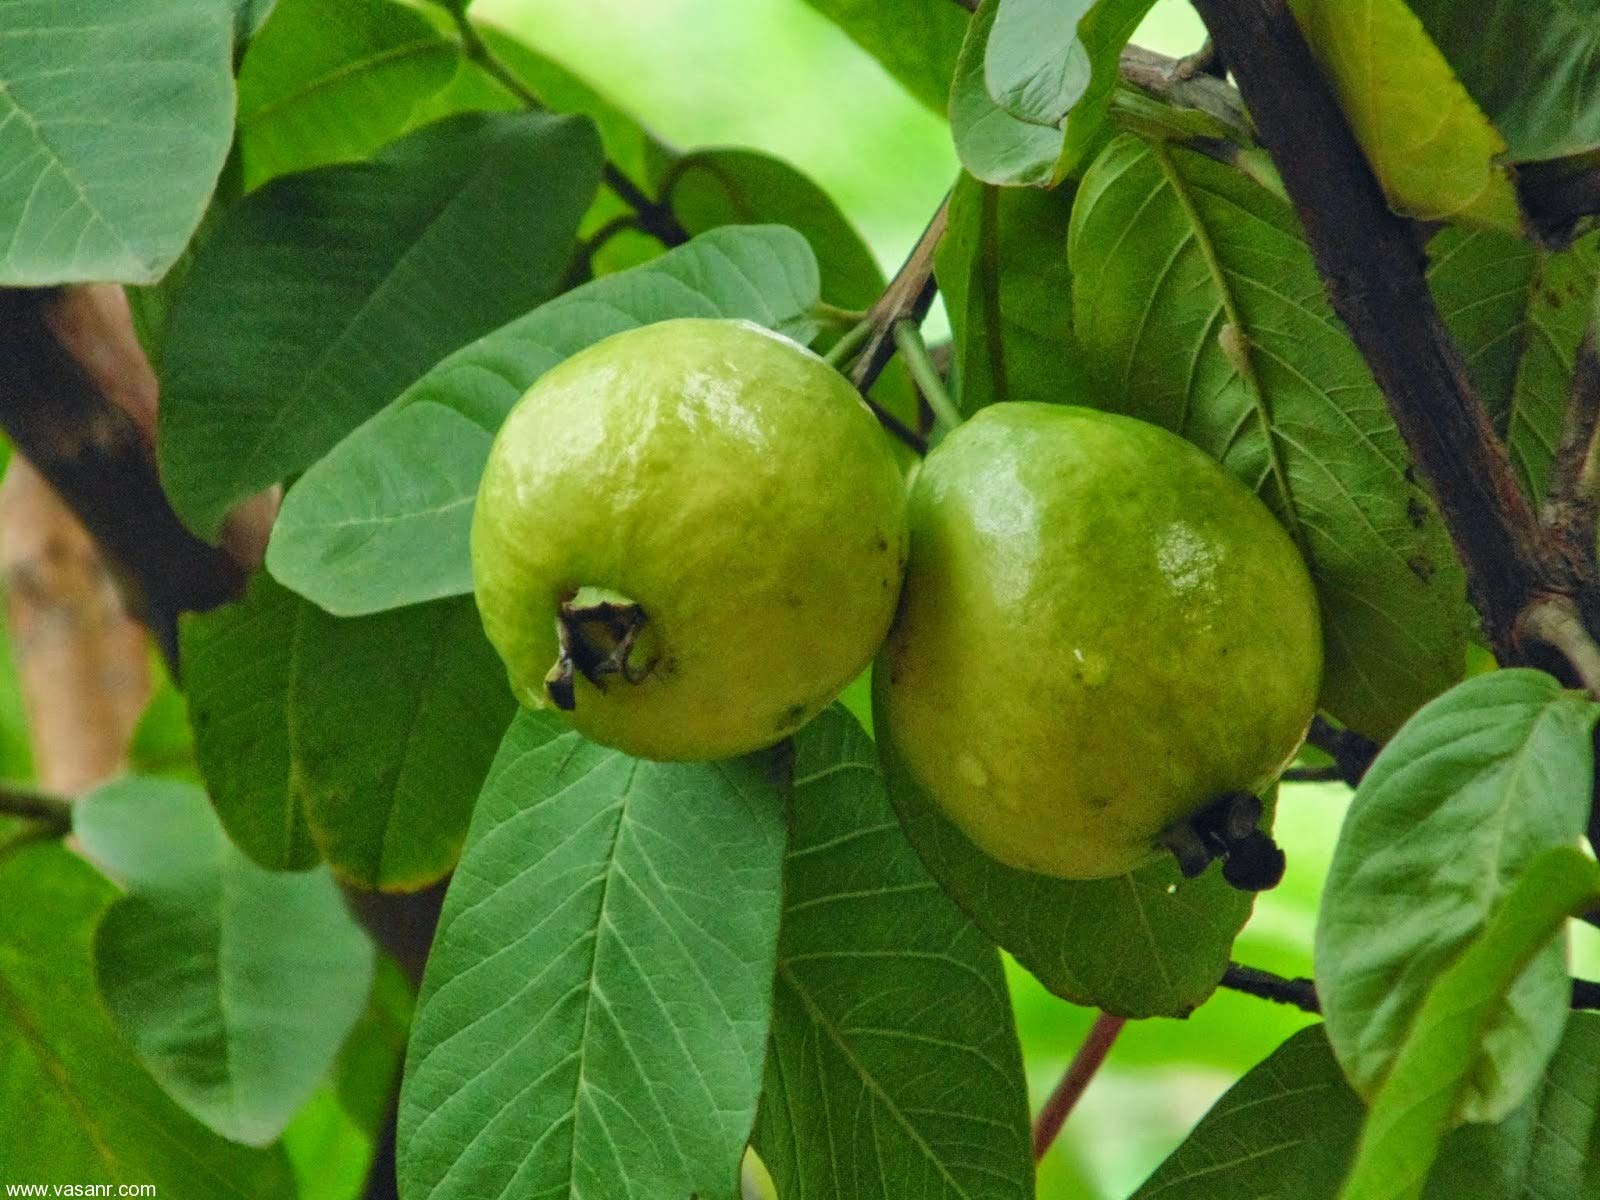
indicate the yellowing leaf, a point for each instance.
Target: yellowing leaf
{"x":1430,"y":145}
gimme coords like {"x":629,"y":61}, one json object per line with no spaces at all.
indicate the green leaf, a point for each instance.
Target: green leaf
{"x":334,"y":1136}
{"x":1532,"y":67}
{"x":1198,"y":304}
{"x":596,"y":1004}
{"x":383,"y":520}
{"x":1466,"y":796}
{"x":916,"y":42}
{"x":322,"y":295}
{"x":1429,"y":1090}
{"x":326,"y":82}
{"x":114,"y":124}
{"x":1149,"y":943}
{"x":235,"y":986}
{"x":1008,"y":290}
{"x":1292,"y":1122}
{"x":80,"y":1109}
{"x":249,"y":15}
{"x":994,"y":145}
{"x":275,"y":687}
{"x":1435,"y":153}
{"x":1519,"y":313}
{"x":1104,"y":31}
{"x":894,"y":1069}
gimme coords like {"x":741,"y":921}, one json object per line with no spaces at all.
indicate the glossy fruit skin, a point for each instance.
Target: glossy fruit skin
{"x":731,"y":484}
{"x":1101,"y":631}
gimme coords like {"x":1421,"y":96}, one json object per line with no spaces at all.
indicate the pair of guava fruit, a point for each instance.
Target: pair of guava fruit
{"x":692,"y":535}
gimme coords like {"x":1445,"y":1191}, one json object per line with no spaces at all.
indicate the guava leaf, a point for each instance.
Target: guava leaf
{"x":1008,"y":290}
{"x":321,"y":295}
{"x":1199,"y":308}
{"x":1146,"y":944}
{"x":1051,"y":63}
{"x":891,"y":1012}
{"x":992,"y":144}
{"x":1519,"y":313}
{"x":236,"y":986}
{"x":1435,"y":153}
{"x":1533,"y":67}
{"x":332,"y":82}
{"x":595,"y":1010}
{"x":115,"y":121}
{"x":916,"y":42}
{"x":383,"y":520}
{"x":82,"y":1110}
{"x":275,"y":685}
{"x":249,"y":15}
{"x":1476,"y":785}
{"x":1292,"y":1122}
{"x":333,"y":1139}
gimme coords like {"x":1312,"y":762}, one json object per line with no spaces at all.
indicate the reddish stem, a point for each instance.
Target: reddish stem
{"x":1065,"y":1098}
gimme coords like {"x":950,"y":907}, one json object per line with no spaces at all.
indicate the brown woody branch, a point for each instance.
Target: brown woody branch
{"x":95,"y":456}
{"x":1064,"y":1098}
{"x":1372,"y":265}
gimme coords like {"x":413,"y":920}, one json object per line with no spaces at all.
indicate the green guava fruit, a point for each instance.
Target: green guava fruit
{"x":689,"y":537}
{"x":1101,"y":632}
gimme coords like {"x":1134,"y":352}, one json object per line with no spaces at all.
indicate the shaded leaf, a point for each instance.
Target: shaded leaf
{"x":994,"y":145}
{"x":1519,"y":313}
{"x":383,"y":520}
{"x":1475,"y":787}
{"x":1199,"y":309}
{"x":1431,"y":147}
{"x":1145,"y":944}
{"x":322,"y":295}
{"x":81,"y":1110}
{"x":326,"y":82}
{"x":916,"y":42}
{"x":894,"y":1069}
{"x":1534,"y":67}
{"x":1008,"y":290}
{"x":1290,"y":1126}
{"x":275,"y":687}
{"x":236,"y":986}
{"x":114,"y":124}
{"x":1429,"y":1089}
{"x":596,"y":1004}
{"x":1103,"y":31}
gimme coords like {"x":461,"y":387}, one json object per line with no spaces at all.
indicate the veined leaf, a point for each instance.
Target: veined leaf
{"x":328,"y":81}
{"x":1473,"y":789}
{"x":1149,"y":943}
{"x":1435,"y":153}
{"x":596,"y":1004}
{"x":1199,"y":308}
{"x":114,"y":124}
{"x":383,"y":520}
{"x":322,"y":295}
{"x":1519,"y":313}
{"x":236,"y":986}
{"x":275,"y":685}
{"x":994,"y":145}
{"x":894,"y":1069}
{"x":82,"y":1110}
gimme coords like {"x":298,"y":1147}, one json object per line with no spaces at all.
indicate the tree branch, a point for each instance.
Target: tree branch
{"x":51,"y":811}
{"x":1372,"y":265}
{"x":1252,"y":981}
{"x":1060,"y":1103}
{"x":96,"y":457}
{"x":1351,"y":752}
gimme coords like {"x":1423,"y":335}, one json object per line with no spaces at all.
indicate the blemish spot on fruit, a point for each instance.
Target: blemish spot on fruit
{"x":972,"y":770}
{"x":1092,"y":667}
{"x":791,"y":717}
{"x":882,"y":543}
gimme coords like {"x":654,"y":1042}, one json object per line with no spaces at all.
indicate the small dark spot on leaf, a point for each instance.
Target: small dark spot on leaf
{"x":1420,"y":567}
{"x":1411,"y":474}
{"x":1550,"y":298}
{"x":1416,"y":513}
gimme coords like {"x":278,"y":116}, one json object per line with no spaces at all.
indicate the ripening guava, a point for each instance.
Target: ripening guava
{"x":689,"y":537}
{"x":1101,"y":632}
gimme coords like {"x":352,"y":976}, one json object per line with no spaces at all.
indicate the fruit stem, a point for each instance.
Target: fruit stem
{"x":914,"y":353}
{"x":1053,"y":1114}
{"x":597,"y":638}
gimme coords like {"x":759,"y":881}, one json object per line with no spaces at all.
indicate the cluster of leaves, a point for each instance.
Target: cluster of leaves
{"x":346,"y":280}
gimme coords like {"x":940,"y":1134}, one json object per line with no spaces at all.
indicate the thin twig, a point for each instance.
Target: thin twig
{"x":1299,"y":993}
{"x":51,"y":811}
{"x":1554,"y":621}
{"x":914,"y":353}
{"x":1351,"y":752}
{"x":1332,"y":773}
{"x":1060,"y":1103}
{"x":1571,"y":510}
{"x":656,"y":219}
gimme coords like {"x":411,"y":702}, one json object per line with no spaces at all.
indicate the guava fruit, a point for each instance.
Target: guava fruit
{"x":1101,"y":632}
{"x":689,"y":537}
